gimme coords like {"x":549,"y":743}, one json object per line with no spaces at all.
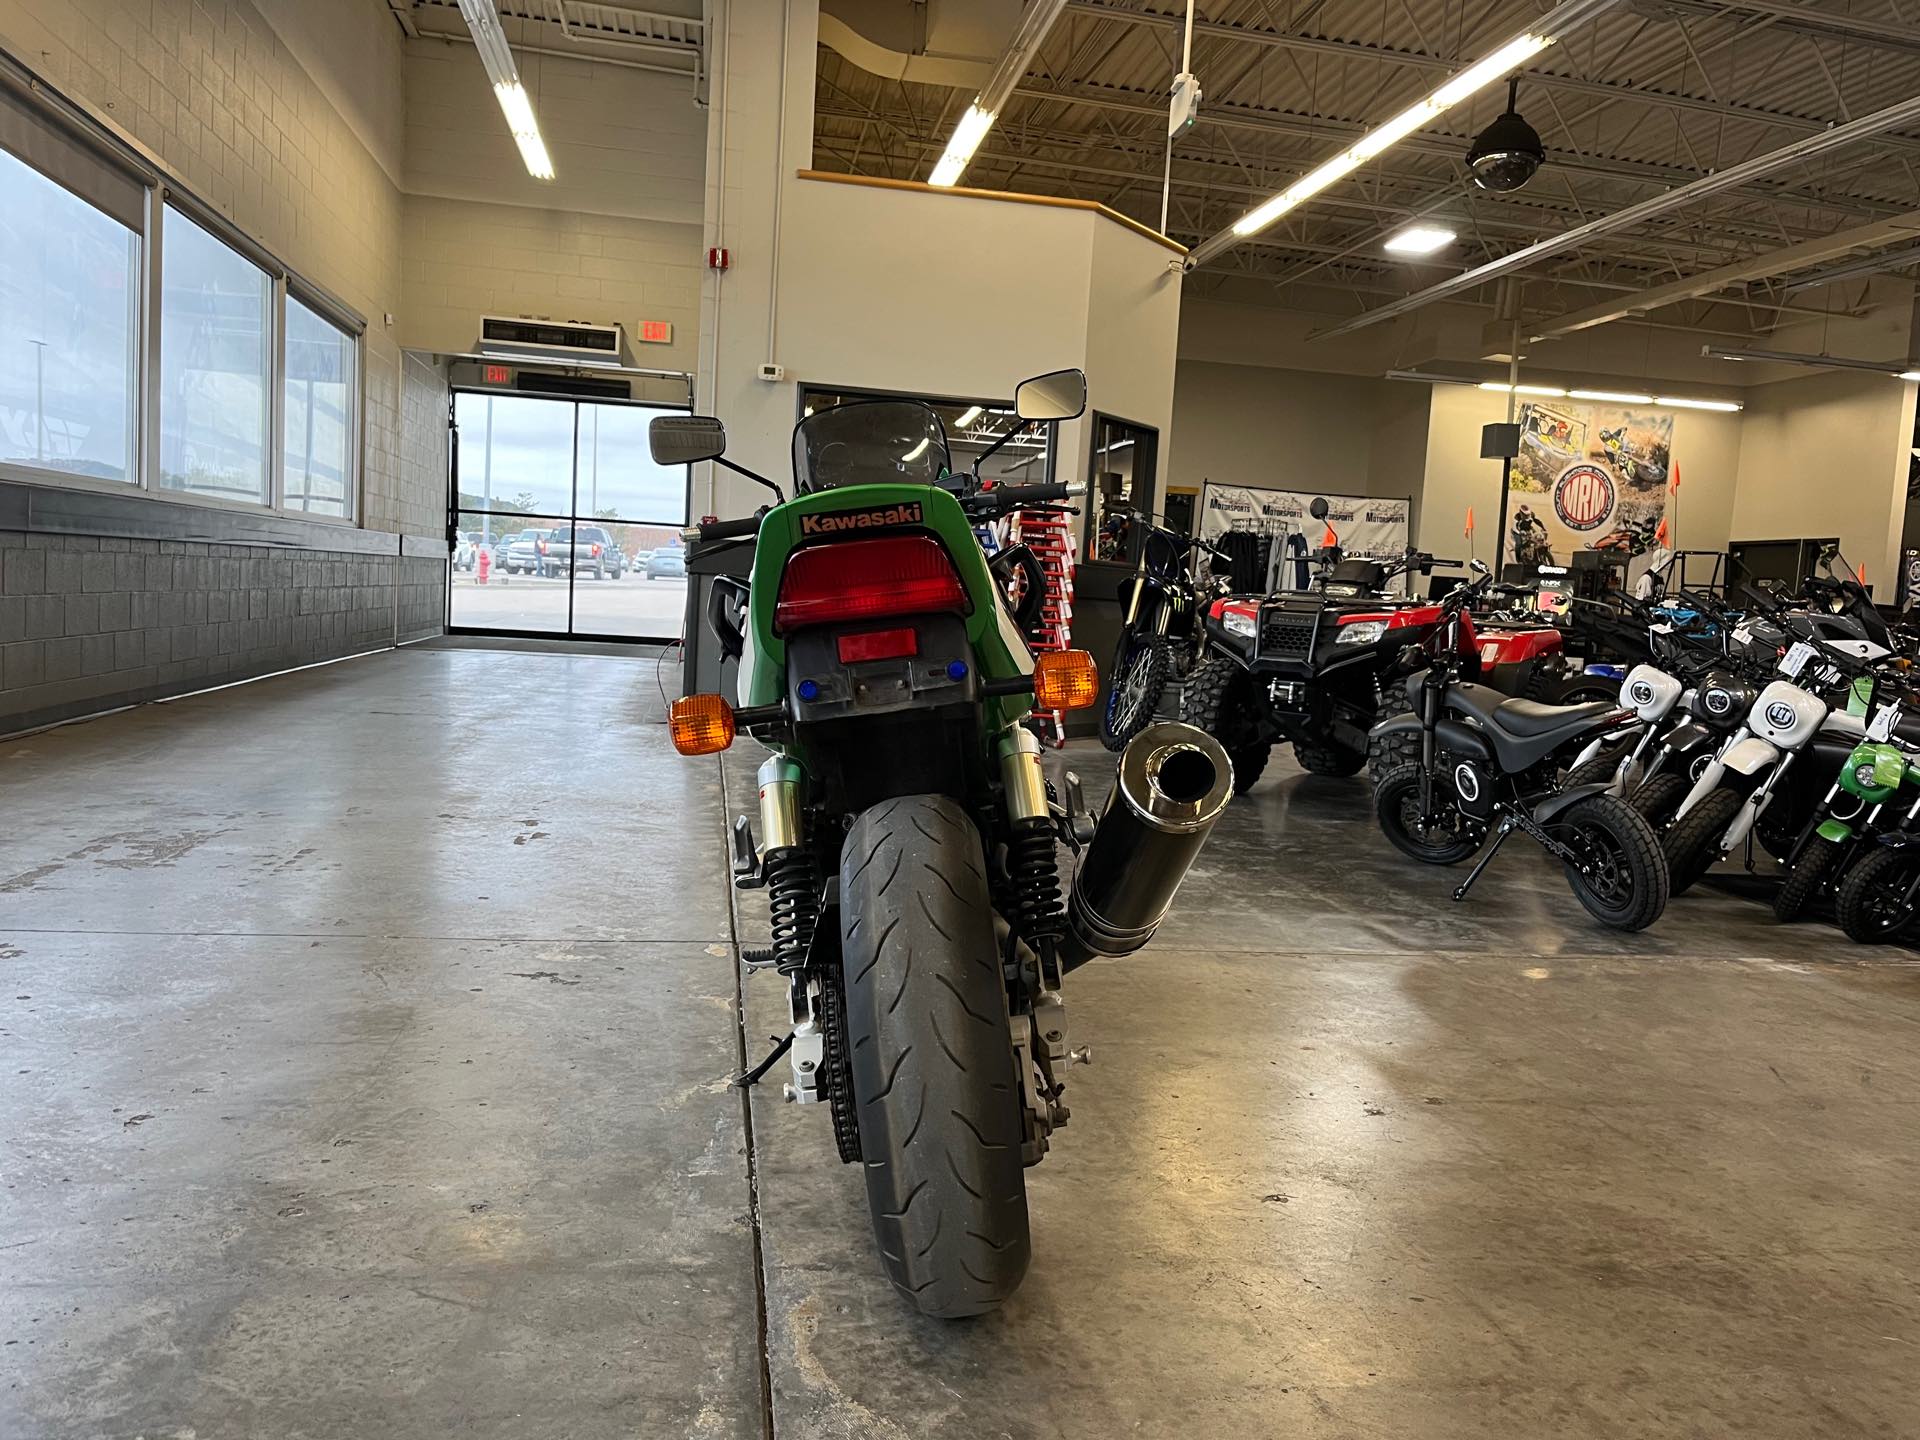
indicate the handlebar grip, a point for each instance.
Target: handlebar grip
{"x":728,"y":529}
{"x":1012,"y":497}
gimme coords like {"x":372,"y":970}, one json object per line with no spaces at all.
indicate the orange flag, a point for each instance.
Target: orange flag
{"x":1661,"y":532}
{"x":1329,"y":538}
{"x":1673,"y":480}
{"x":1469,"y":522}
{"x":1863,"y":572}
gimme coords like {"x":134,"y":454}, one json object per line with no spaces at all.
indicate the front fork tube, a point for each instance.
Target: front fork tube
{"x":1749,"y":814}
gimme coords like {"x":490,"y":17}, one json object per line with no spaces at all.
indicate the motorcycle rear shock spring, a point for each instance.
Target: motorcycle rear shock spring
{"x":793,"y":897}
{"x":1033,"y":874}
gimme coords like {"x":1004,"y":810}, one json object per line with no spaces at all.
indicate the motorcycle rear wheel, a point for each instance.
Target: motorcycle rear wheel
{"x":934,"y":1086}
{"x":1451,"y":838}
{"x":1140,"y":670}
{"x":1625,"y":882}
{"x":1869,"y":903}
{"x":1692,"y":843}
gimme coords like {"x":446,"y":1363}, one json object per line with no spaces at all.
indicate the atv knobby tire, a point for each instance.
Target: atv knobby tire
{"x":1388,"y":752}
{"x":933,"y":1074}
{"x":1219,"y":698}
{"x":1328,"y":757}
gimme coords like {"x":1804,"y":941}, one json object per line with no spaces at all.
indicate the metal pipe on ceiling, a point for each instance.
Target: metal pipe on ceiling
{"x":1865,"y":127}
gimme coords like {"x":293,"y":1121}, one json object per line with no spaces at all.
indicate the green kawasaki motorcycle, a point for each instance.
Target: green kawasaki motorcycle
{"x":906,"y":833}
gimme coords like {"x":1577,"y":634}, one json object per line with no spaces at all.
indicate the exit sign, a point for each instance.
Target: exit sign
{"x":657,"y":332}
{"x":496,"y":375}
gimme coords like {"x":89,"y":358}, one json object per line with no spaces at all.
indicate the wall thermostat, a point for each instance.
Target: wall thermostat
{"x":773,"y":372}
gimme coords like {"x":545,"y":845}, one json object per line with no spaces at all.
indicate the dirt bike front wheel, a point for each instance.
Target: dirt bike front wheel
{"x":1140,"y":669}
{"x":933,"y":1073}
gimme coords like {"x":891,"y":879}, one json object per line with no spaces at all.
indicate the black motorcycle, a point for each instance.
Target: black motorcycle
{"x":1490,"y":764}
{"x":1173,"y":579}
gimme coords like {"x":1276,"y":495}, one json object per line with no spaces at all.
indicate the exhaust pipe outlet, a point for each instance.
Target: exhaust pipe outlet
{"x":1172,"y":784}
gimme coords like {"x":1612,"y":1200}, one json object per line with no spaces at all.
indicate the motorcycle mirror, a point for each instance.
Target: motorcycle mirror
{"x":1057,"y":395}
{"x":685,"y":439}
{"x":1319,"y":508}
{"x":1479,"y":567}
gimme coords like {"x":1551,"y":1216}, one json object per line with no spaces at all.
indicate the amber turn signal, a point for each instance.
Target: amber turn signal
{"x":1064,"y":680}
{"x":702,"y":724}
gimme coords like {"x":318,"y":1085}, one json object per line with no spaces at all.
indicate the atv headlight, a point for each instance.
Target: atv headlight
{"x":1361,"y":632}
{"x":1864,"y":777}
{"x":1235,"y":622}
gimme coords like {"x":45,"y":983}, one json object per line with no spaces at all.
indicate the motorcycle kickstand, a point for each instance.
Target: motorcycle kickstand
{"x":1507,"y":827}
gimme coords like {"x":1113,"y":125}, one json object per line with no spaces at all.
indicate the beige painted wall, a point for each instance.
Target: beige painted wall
{"x":210,"y":89}
{"x":1827,"y":455}
{"x":1293,"y":430}
{"x":615,"y":236}
{"x":1706,"y":445}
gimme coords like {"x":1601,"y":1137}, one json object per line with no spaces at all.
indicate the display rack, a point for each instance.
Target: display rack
{"x":1049,"y":535}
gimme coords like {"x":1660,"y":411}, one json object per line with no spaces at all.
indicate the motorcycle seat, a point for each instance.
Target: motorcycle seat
{"x":1525,"y":731}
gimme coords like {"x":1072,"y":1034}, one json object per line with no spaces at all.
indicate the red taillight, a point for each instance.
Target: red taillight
{"x":878,"y":645}
{"x":866,"y":579}
{"x":596,"y":549}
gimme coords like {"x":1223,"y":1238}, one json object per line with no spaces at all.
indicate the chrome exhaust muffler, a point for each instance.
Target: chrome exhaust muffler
{"x":1173,"y":782}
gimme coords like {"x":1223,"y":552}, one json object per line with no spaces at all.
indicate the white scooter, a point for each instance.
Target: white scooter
{"x":1717,"y":817}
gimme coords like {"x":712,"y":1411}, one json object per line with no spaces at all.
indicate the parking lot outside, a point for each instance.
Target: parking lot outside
{"x":632,"y":605}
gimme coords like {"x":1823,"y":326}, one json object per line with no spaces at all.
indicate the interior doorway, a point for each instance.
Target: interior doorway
{"x":563,"y":524}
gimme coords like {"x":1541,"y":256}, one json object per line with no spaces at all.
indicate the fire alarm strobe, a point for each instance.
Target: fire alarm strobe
{"x":717,"y":257}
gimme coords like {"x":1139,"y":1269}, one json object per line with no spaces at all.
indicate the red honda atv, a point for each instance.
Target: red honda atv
{"x":1311,"y":667}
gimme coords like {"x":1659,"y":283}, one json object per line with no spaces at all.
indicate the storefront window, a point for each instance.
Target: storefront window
{"x":214,"y":367}
{"x":68,"y":368}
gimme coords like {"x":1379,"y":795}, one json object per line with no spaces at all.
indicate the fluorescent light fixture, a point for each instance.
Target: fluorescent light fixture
{"x":1612,"y":397}
{"x":1910,"y":374}
{"x":1676,"y":403}
{"x":1500,"y":387}
{"x":993,"y":96}
{"x":483,"y":23}
{"x":969,"y":415}
{"x":917,"y":451}
{"x":1421,"y":239}
{"x":1468,"y":82}
{"x":967,"y":136}
{"x":1904,"y":369}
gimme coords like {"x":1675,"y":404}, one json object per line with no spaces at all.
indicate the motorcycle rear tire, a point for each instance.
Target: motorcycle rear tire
{"x":1692,"y":843}
{"x":1868,"y":902}
{"x":1218,"y":698}
{"x":1399,"y":789}
{"x":1623,"y":840}
{"x":1151,"y":661}
{"x":1809,"y":873}
{"x":934,"y":1087}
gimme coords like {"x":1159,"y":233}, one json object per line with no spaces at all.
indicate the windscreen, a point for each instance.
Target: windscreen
{"x":874,"y":442}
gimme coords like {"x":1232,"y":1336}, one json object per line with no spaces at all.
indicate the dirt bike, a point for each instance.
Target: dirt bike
{"x":1842,"y":828}
{"x":1488,"y":763}
{"x":1159,"y":640}
{"x":906,"y":834}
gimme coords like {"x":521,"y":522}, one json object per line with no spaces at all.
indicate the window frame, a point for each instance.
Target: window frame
{"x":21,"y":91}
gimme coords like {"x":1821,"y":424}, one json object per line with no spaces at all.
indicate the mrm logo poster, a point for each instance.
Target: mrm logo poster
{"x":1588,"y":477}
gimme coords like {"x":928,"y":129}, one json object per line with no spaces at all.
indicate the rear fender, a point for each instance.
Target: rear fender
{"x":1555,"y":805}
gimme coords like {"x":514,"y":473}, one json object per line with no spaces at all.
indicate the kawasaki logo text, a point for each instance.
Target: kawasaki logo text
{"x":838,"y":522}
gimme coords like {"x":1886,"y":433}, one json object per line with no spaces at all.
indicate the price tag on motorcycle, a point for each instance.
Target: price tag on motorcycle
{"x":1796,"y":658}
{"x":1881,"y":730}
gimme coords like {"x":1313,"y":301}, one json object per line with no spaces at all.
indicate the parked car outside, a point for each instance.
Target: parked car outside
{"x":521,"y":553}
{"x":580,"y":549}
{"x":669,"y":562}
{"x":639,"y":559}
{"x":464,"y":554}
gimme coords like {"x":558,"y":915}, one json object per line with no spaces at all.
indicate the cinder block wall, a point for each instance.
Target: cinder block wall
{"x":302,"y":151}
{"x":91,"y":622}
